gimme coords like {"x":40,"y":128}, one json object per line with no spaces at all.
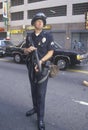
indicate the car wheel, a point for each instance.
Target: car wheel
{"x":17,"y":58}
{"x":62,"y":64}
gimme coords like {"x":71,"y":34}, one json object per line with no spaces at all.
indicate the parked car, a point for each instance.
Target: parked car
{"x":62,"y":57}
{"x":3,"y":44}
{"x":2,"y":52}
{"x":65,"y":58}
{"x":17,"y":52}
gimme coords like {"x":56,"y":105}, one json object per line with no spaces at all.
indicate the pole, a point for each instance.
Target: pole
{"x":6,"y":17}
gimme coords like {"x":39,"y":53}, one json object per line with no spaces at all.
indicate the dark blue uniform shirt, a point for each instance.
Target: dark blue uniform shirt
{"x":43,"y":42}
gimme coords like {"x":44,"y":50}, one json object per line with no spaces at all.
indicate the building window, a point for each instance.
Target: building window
{"x":0,"y":5}
{"x":1,"y":18}
{"x":17,"y":16}
{"x":32,"y":1}
{"x":49,"y":12}
{"x":17,"y":2}
{"x":80,"y":8}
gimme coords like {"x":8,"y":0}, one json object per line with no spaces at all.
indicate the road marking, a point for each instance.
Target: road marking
{"x":4,"y":59}
{"x":80,"y":102}
{"x":80,"y":71}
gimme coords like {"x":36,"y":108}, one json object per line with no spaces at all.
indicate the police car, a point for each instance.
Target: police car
{"x":17,"y":52}
{"x":65,"y":58}
{"x":2,"y":52}
{"x":62,"y":57}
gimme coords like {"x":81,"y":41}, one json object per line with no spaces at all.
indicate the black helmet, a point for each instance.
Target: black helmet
{"x":39,"y":16}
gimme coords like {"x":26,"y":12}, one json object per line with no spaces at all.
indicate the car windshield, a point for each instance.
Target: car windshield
{"x":57,"y":45}
{"x":20,"y":44}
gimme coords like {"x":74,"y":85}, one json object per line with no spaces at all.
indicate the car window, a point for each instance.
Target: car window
{"x":2,"y":43}
{"x":21,"y":44}
{"x":57,"y":45}
{"x":24,"y":45}
{"x":8,"y":43}
{"x":18,"y":45}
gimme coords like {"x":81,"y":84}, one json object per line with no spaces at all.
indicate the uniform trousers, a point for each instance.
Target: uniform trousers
{"x":38,"y":91}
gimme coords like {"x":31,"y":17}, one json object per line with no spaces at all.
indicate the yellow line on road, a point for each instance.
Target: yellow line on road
{"x":4,"y":60}
{"x":80,"y":71}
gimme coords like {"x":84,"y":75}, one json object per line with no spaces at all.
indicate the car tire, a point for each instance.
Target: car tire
{"x":62,"y":64}
{"x":17,"y":58}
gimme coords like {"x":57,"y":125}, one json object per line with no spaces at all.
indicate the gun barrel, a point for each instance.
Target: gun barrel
{"x":36,"y":56}
{"x":37,"y":60}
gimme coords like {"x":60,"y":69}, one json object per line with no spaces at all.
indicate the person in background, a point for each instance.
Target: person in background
{"x":74,"y":45}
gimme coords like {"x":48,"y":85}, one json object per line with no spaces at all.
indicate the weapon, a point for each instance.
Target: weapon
{"x":36,"y":56}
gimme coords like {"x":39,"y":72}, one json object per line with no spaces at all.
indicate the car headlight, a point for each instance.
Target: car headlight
{"x":80,"y":57}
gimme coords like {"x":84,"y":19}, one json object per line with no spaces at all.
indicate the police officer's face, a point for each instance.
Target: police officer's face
{"x":39,"y":24}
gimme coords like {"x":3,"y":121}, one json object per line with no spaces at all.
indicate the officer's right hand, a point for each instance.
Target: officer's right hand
{"x":29,"y":50}
{"x":36,"y":66}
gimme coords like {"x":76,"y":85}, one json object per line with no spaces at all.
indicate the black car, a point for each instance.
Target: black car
{"x":2,"y":52}
{"x":17,"y":52}
{"x":62,"y":57}
{"x":65,"y":58}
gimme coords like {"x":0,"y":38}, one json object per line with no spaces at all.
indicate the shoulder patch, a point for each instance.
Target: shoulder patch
{"x":52,"y":43}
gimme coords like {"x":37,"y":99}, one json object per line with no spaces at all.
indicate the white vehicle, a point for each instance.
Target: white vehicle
{"x":3,"y":44}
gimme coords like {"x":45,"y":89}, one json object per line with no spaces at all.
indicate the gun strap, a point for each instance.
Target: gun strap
{"x":44,"y":78}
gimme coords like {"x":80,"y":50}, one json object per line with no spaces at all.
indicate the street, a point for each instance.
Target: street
{"x":66,"y":99}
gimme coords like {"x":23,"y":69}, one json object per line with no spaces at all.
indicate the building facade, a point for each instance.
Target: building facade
{"x":66,"y":19}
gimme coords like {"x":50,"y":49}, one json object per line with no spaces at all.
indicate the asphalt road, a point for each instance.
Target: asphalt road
{"x":66,"y":99}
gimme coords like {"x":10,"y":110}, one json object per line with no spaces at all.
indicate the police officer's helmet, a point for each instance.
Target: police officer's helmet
{"x":41,"y":16}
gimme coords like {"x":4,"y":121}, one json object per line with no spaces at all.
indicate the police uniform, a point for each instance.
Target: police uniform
{"x":44,"y":43}
{"x":38,"y":80}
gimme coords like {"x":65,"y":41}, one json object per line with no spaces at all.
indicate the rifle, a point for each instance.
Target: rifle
{"x":36,"y":56}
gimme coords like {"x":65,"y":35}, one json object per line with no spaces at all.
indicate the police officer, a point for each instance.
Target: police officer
{"x":43,"y":42}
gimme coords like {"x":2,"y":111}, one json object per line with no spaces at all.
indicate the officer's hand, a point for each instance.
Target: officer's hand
{"x":26,"y":51}
{"x":29,"y":50}
{"x":36,"y":67}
